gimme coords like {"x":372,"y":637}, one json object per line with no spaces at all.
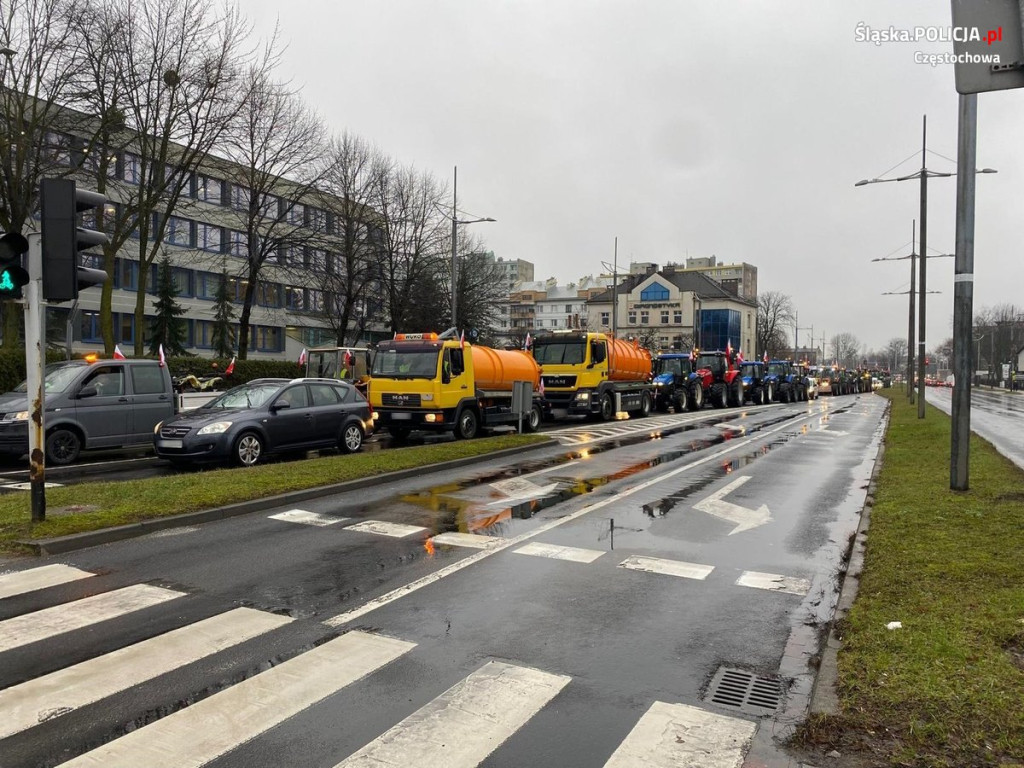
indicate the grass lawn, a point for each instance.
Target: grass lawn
{"x":948,"y":688}
{"x":119,"y":503}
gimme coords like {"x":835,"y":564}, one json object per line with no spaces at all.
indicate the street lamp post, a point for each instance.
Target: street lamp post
{"x":455,"y":237}
{"x":923,"y":175}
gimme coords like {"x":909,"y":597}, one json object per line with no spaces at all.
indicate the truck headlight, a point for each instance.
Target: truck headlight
{"x":583,"y":396}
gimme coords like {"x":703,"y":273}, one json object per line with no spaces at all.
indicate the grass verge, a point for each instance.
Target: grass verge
{"x":948,"y":688}
{"x":118,"y":503}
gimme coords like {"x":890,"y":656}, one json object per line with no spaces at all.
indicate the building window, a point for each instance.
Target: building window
{"x":677,"y":317}
{"x":314,"y":300}
{"x":127,"y":275}
{"x":181,"y":277}
{"x":645,"y":317}
{"x":132,"y":169}
{"x":209,"y":189}
{"x":664,"y":317}
{"x":208,"y":237}
{"x":294,"y":298}
{"x":318,"y":219}
{"x":654,"y":292}
{"x":297,"y":214}
{"x":89,"y":327}
{"x":632,"y":317}
{"x":179,"y":232}
{"x":568,"y":309}
{"x":206,"y":285}
{"x":238,"y":243}
{"x":268,"y":294}
{"x":605,"y":320}
{"x":266,"y":338}
{"x":239,"y":197}
{"x":124,"y":327}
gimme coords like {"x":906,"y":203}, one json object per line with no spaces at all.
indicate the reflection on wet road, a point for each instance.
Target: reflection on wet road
{"x":996,"y":415}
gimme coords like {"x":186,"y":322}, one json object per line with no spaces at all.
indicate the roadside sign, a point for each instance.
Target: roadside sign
{"x":987,"y":46}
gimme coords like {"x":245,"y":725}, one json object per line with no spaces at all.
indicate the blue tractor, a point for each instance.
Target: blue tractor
{"x":676,"y":384}
{"x":756,"y":389}
{"x":786,"y":381}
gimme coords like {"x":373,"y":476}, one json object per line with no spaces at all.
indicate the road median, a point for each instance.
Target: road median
{"x":931,"y":663}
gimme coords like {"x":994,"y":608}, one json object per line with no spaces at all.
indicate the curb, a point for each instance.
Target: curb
{"x":74,"y":541}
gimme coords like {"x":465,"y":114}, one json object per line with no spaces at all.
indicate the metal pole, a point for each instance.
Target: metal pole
{"x":924,"y":261}
{"x":615,"y":288}
{"x":35,"y":332}
{"x":910,"y":331}
{"x":455,"y":269}
{"x":963,"y":294}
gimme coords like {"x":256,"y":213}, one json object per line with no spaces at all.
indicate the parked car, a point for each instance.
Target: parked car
{"x":90,"y":404}
{"x":267,"y":416}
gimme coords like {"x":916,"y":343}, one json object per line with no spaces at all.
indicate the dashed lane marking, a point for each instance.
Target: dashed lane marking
{"x":667,"y":567}
{"x":774,"y":583}
{"x":307,"y":518}
{"x":476,"y":541}
{"x":556,"y":552}
{"x":382,"y":528}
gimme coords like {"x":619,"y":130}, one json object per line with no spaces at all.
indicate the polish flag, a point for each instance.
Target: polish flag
{"x":163,"y":360}
{"x":541,"y":389}
{"x":231,"y":368}
{"x":766,"y":357}
{"x":118,"y":354}
{"x":302,"y":357}
{"x":728,"y":349}
{"x":462,"y":340}
{"x":739,"y":356}
{"x":347,"y":359}
{"x":526,"y":344}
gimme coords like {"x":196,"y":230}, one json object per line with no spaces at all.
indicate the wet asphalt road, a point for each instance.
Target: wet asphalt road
{"x":619,"y":639}
{"x":996,"y":415}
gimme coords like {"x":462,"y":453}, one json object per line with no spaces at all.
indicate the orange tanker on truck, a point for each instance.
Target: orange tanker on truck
{"x":594,"y":374}
{"x":423,"y":381}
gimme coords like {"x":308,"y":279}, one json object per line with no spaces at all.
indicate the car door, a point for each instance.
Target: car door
{"x":291,"y":422}
{"x":104,"y":416}
{"x":328,"y":412}
{"x":151,"y":400}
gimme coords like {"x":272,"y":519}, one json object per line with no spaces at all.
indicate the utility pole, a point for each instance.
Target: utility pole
{"x":615,"y":288}
{"x":924,"y":262}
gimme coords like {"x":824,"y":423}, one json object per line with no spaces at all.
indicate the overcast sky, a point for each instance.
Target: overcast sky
{"x":684,"y":129}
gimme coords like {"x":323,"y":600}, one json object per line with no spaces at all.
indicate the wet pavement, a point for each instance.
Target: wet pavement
{"x":996,"y":415}
{"x":648,"y":563}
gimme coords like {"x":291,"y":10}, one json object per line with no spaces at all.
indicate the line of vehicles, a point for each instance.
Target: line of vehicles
{"x":414,"y":382}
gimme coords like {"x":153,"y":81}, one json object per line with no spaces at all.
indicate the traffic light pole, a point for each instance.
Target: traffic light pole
{"x":35,"y":333}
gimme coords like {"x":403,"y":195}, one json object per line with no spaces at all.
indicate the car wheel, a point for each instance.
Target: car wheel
{"x":682,"y":400}
{"x":697,"y":398}
{"x":62,"y":447}
{"x":351,"y":438}
{"x":466,"y":424}
{"x":607,"y":408}
{"x":248,"y":449}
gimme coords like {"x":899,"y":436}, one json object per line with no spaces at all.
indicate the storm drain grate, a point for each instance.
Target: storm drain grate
{"x":744,"y":691}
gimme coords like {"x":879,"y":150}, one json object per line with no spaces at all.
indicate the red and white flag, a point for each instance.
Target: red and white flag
{"x":347,"y":358}
{"x":302,"y":357}
{"x":541,"y":390}
{"x":231,"y":368}
{"x":739,"y":356}
{"x":728,"y":349}
{"x":163,"y":360}
{"x":462,"y":340}
{"x":526,"y":344}
{"x":766,"y":357}
{"x":118,"y":354}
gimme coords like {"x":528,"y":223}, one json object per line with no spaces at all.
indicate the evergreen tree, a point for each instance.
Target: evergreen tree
{"x":223,"y":332}
{"x":168,"y":327}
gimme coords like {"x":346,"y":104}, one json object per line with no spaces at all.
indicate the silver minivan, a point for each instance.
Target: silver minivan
{"x":101,"y":404}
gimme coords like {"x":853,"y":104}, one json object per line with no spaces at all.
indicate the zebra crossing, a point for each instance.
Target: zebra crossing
{"x":459,"y":728}
{"x":596,"y":433}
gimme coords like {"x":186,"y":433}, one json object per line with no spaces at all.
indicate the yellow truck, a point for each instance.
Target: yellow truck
{"x":594,"y":374}
{"x":421,"y":381}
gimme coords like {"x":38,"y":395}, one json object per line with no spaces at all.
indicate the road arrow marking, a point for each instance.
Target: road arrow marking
{"x":744,"y":518}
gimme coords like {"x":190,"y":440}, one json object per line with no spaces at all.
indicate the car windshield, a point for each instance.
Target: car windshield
{"x":559,"y":352}
{"x":711,"y":362}
{"x":750,"y":369}
{"x":677,"y":365}
{"x":251,"y":395}
{"x":779,"y":369}
{"x":58,"y":377}
{"x":406,"y":364}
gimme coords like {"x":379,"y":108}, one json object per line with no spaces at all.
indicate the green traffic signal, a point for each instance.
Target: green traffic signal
{"x":13,"y":276}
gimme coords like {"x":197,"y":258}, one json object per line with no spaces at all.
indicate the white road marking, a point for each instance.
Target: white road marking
{"x":466,"y":723}
{"x":307,"y":518}
{"x":744,"y":518}
{"x":382,"y":528}
{"x":396,"y":594}
{"x":667,"y":567}
{"x":20,"y":582}
{"x":681,"y":736}
{"x":199,"y":734}
{"x":65,"y":690}
{"x":28,"y":486}
{"x":552,"y":469}
{"x":774,"y":582}
{"x":40,"y":625}
{"x":467,"y":540}
{"x":575,"y":554}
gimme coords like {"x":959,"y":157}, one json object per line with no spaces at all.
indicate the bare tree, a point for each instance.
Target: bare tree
{"x":480,"y":286}
{"x":351,"y":281}
{"x":775,"y":314}
{"x":896,"y":353}
{"x":846,"y":349}
{"x":277,"y":148}
{"x":36,"y":78}
{"x":411,"y":242}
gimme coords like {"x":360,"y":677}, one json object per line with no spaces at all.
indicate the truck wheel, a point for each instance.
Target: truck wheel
{"x":467,"y":425}
{"x":607,"y":407}
{"x":645,"y":405}
{"x":533,"y":419}
{"x":784,"y":395}
{"x":682,"y":400}
{"x":719,"y":397}
{"x":769,"y":393}
{"x":399,"y":433}
{"x":734,"y":394}
{"x":661,"y":404}
{"x":62,"y":447}
{"x":697,"y":398}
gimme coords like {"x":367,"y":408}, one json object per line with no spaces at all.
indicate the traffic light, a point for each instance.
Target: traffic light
{"x":60,"y":203}
{"x":13,"y":276}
